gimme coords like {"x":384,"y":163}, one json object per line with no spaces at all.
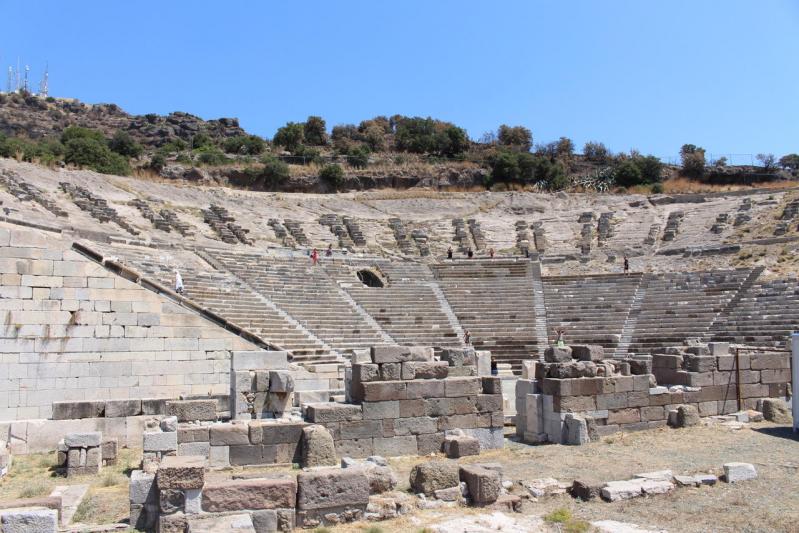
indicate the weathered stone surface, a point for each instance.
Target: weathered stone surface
{"x":379,"y":410}
{"x":325,"y":412}
{"x":622,"y":490}
{"x":83,"y":440}
{"x":390,"y":371}
{"x":318,"y":448}
{"x":775,"y":410}
{"x":491,"y":385}
{"x":169,"y":423}
{"x":73,"y":410}
{"x":426,"y":478}
{"x":575,"y":430}
{"x":186,"y":472}
{"x":425,"y":370}
{"x":468,"y":386}
{"x":192,"y":433}
{"x":588,"y":352}
{"x":142,"y":487}
{"x":461,"y":446}
{"x":252,"y":494}
{"x":30,"y":521}
{"x":584,"y":491}
{"x":240,"y":523}
{"x":687,"y":416}
{"x":159,"y":441}
{"x":281,"y":381}
{"x":558,"y":354}
{"x":170,"y":500}
{"x":320,"y":489}
{"x":381,"y":479}
{"x":734,"y":472}
{"x":484,"y":485}
{"x":231,"y":434}
{"x":117,"y":408}
{"x":191,"y":410}
{"x":173,"y":523}
{"x":452,"y":494}
{"x":459,"y":356}
{"x":401,"y":354}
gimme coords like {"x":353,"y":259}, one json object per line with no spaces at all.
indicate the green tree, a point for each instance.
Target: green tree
{"x":564,"y":148}
{"x":123,"y":144}
{"x":515,"y":136}
{"x":504,"y":167}
{"x":332,"y":174}
{"x":290,"y":136}
{"x":768,"y":161}
{"x":211,"y":156}
{"x":77,"y":132}
{"x":790,"y":161}
{"x":596,"y":152}
{"x":274,"y":173}
{"x":157,"y":162}
{"x":627,"y":173}
{"x":358,"y":157}
{"x":693,"y":160}
{"x":315,"y":131}
{"x":650,"y":167}
{"x":201,"y":140}
{"x":89,"y":152}
{"x":244,"y":145}
{"x":453,"y":141}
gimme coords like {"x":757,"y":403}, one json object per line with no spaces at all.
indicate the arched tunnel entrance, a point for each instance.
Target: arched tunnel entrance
{"x":370,"y":279}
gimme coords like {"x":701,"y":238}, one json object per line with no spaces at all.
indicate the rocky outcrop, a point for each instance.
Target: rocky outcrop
{"x":36,"y":117}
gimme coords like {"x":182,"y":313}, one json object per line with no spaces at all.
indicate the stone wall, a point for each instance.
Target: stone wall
{"x":571,"y":401}
{"x":73,"y":331}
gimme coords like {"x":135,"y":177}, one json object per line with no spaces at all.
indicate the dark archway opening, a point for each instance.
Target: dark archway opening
{"x":370,"y":279}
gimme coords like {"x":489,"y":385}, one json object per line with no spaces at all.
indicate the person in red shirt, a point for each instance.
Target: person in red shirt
{"x":314,"y":256}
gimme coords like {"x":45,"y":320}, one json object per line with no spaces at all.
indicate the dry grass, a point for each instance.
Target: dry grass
{"x":685,"y":185}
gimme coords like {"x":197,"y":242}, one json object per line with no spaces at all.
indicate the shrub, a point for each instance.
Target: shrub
{"x":558,"y":516}
{"x":91,"y":153}
{"x":768,"y":161}
{"x":157,"y":162}
{"x":273,"y":173}
{"x":429,"y":136}
{"x":504,"y":167}
{"x":657,"y":188}
{"x":315,"y":131}
{"x":332,"y":174}
{"x":309,"y":155}
{"x":516,"y":136}
{"x":650,"y":167}
{"x":290,"y":136}
{"x":790,"y":161}
{"x":358,"y":157}
{"x":244,"y":144}
{"x":77,"y":132}
{"x":627,"y":173}
{"x":123,"y":144}
{"x":201,"y":140}
{"x":210,"y":155}
{"x":564,"y":148}
{"x":172,"y":147}
{"x":596,"y":152}
{"x":693,"y":160}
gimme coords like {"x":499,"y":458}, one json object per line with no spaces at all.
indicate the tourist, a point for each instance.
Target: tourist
{"x":178,"y":282}
{"x":329,"y":251}
{"x":314,"y":256}
{"x":626,"y":265}
{"x":470,"y":253}
{"x":467,"y":337}
{"x":449,"y":252}
{"x":491,"y":253}
{"x":561,"y":332}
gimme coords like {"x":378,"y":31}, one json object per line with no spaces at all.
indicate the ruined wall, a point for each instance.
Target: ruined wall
{"x":73,"y":331}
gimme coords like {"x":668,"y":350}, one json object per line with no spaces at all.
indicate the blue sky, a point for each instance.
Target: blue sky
{"x":634,"y":74}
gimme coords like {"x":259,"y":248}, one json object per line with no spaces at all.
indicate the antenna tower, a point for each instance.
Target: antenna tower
{"x":25,"y":86}
{"x":43,"y":84}
{"x":10,"y":80}
{"x":16,"y":89}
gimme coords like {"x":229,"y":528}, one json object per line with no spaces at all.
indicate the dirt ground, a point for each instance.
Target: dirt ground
{"x":769,"y":503}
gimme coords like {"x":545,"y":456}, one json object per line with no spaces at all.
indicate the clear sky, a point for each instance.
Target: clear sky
{"x":634,"y":74}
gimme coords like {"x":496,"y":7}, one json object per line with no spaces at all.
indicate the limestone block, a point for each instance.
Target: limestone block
{"x":584,"y":490}
{"x":381,"y":478}
{"x":493,"y":385}
{"x":231,"y":434}
{"x":429,"y":443}
{"x":83,"y":440}
{"x":396,"y":446}
{"x":426,"y":388}
{"x":415,"y":425}
{"x":333,"y":487}
{"x":459,"y":356}
{"x":588,"y":352}
{"x":175,"y":472}
{"x":118,"y":408}
{"x":327,"y":412}
{"x":240,"y":523}
{"x":249,"y":494}
{"x":687,"y":415}
{"x":141,"y":489}
{"x":424,"y":370}
{"x":278,"y":432}
{"x":219,"y":456}
{"x":558,"y":354}
{"x":191,"y":433}
{"x":386,"y":390}
{"x":469,"y":386}
{"x":734,"y":472}
{"x":170,"y":500}
{"x":192,"y":410}
{"x":202,"y":449}
{"x":484,"y":363}
{"x":400,"y":354}
{"x":159,"y":441}
{"x":192,"y":501}
{"x":426,"y":478}
{"x":380,"y":410}
{"x":257,"y":360}
{"x":622,"y":490}
{"x":575,"y":430}
{"x":461,"y":446}
{"x":775,"y":410}
{"x":280,"y":381}
{"x":169,"y":423}
{"x":484,"y":485}
{"x":29,"y":520}
{"x":73,"y":410}
{"x":700,"y":363}
{"x":718,"y":348}
{"x":317,"y":447}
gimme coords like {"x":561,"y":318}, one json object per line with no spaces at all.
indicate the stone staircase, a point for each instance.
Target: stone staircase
{"x":494,"y":300}
{"x":765,"y":315}
{"x":591,"y":309}
{"x":623,"y":348}
{"x":682,"y":305}
{"x":306,"y":293}
{"x":539,"y":298}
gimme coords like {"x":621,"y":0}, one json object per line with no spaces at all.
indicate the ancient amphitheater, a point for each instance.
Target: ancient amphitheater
{"x":383,"y":347}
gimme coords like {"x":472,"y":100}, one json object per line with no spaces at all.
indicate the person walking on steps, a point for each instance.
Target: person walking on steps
{"x":314,"y":257}
{"x":329,"y":251}
{"x":178,"y":282}
{"x":626,"y":265}
{"x":467,"y":337}
{"x":470,"y":253}
{"x":491,"y":253}
{"x":449,"y":253}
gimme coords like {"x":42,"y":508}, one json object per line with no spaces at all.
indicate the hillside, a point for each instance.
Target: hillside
{"x":382,"y":152}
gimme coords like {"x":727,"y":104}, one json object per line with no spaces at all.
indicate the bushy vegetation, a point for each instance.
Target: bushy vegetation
{"x":517,"y":137}
{"x":508,"y":166}
{"x":790,"y":162}
{"x":429,"y":136}
{"x":123,"y":144}
{"x":596,"y":152}
{"x":88,"y":148}
{"x":244,"y":145}
{"x":332,"y":174}
{"x":693,"y":160}
{"x":637,"y":170}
